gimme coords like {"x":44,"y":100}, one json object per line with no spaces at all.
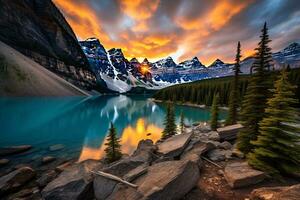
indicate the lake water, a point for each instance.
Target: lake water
{"x":81,"y":124}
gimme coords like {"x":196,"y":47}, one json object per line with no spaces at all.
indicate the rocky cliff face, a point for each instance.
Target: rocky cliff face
{"x":38,"y":29}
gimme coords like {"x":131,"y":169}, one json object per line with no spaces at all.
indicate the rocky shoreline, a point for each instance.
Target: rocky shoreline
{"x":198,"y":164}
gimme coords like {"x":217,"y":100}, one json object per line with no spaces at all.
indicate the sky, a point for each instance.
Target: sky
{"x":183,"y":29}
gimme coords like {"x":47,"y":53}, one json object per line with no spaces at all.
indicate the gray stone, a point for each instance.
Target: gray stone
{"x":135,"y":173}
{"x":213,"y":135}
{"x":15,"y":179}
{"x":14,"y":150}
{"x":75,"y":182}
{"x":145,"y":151}
{"x":225,"y":145}
{"x":229,"y":132}
{"x":169,"y":180}
{"x":276,"y":193}
{"x":200,"y":149}
{"x":63,"y":166}
{"x":103,"y":187}
{"x":220,"y":155}
{"x":46,"y":178}
{"x":48,"y":159}
{"x":56,"y":147}
{"x":3,"y":162}
{"x":175,"y":145}
{"x":240,"y":174}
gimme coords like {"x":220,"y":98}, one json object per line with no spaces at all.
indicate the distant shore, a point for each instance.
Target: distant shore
{"x":185,"y":104}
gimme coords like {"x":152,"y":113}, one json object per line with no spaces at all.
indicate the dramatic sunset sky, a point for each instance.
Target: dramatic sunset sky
{"x":208,"y":29}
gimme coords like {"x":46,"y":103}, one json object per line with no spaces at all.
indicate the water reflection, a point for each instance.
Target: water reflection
{"x":81,"y":124}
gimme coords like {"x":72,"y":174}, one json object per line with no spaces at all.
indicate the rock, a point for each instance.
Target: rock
{"x":200,"y":149}
{"x":144,"y":151}
{"x":15,"y":179}
{"x":166,"y":180}
{"x":26,"y":192}
{"x":48,"y":159}
{"x":46,"y":178}
{"x":103,"y":187}
{"x":237,"y":153}
{"x":175,"y":145}
{"x":162,"y":159}
{"x":240,"y":174}
{"x":56,"y":147}
{"x":229,"y":132}
{"x":75,"y":182}
{"x":216,"y":155}
{"x":225,"y":145}
{"x":276,"y":193}
{"x":203,"y":128}
{"x":213,"y":135}
{"x":3,"y":162}
{"x":63,"y":166}
{"x":5,"y":151}
{"x":135,"y":173}
{"x":196,"y":124}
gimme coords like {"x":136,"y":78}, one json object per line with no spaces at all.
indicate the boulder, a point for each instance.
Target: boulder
{"x":175,"y":145}
{"x":168,"y":180}
{"x":229,"y":132}
{"x":213,"y":135}
{"x":75,"y":182}
{"x":203,"y":127}
{"x":103,"y":187}
{"x":135,"y":173}
{"x":225,"y":145}
{"x":63,"y":166}
{"x":240,"y":174}
{"x":56,"y":147}
{"x":3,"y":162}
{"x":15,"y":179}
{"x":144,"y":151}
{"x":46,"y":178}
{"x":276,"y":193}
{"x":5,"y":151}
{"x":200,"y":149}
{"x":48,"y":159}
{"x":217,"y":155}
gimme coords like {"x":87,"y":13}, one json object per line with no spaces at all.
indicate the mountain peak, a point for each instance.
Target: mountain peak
{"x":134,"y":60}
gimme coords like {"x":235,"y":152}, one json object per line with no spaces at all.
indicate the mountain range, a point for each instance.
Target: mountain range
{"x":122,"y":75}
{"x":39,"y":31}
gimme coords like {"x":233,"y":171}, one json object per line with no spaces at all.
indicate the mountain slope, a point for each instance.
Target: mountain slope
{"x":21,"y":76}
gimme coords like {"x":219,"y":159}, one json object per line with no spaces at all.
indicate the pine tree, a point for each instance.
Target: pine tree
{"x":234,"y":93}
{"x":113,"y":149}
{"x":214,"y":112}
{"x":254,"y":103}
{"x":277,"y":148}
{"x":181,"y":122}
{"x":170,"y":126}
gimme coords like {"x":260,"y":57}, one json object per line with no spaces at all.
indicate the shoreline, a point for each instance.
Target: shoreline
{"x":187,"y":104}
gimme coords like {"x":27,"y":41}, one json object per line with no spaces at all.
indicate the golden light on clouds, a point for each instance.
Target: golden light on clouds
{"x":155,"y":30}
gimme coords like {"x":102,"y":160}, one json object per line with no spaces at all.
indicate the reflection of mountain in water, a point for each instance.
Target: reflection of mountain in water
{"x":81,"y":124}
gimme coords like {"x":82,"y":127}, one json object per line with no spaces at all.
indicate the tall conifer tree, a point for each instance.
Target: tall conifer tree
{"x":234,"y":93}
{"x":254,"y":103}
{"x":170,"y":125}
{"x":277,"y":148}
{"x":113,"y":147}
{"x":214,"y":112}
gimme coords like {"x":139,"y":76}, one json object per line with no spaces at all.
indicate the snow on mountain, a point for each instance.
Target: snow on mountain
{"x":122,"y":75}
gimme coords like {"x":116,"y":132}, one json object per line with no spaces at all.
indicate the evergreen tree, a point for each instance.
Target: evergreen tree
{"x":181,"y":122}
{"x":277,"y":148}
{"x":254,"y":103}
{"x":214,"y":112}
{"x":170,"y":126}
{"x":113,"y":149}
{"x":234,"y":93}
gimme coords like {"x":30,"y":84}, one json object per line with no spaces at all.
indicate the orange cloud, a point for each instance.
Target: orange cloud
{"x":139,"y":9}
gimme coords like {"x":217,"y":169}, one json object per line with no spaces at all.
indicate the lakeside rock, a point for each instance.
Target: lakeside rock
{"x":46,"y":178}
{"x":48,"y":159}
{"x":56,"y":147}
{"x":3,"y":162}
{"x":75,"y":182}
{"x":174,"y":146}
{"x":5,"y":151}
{"x":15,"y":179}
{"x":240,"y":174}
{"x":276,"y":193}
{"x":229,"y":132}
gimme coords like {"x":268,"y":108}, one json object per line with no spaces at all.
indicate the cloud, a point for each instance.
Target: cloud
{"x":181,"y":28}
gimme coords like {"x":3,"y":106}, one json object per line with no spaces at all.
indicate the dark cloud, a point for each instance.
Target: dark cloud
{"x":184,"y":28}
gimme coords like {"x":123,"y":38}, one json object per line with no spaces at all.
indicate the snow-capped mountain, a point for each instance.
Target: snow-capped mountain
{"x":121,"y":75}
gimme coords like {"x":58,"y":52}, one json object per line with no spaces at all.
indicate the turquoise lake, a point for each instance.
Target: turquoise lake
{"x":81,"y":124}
